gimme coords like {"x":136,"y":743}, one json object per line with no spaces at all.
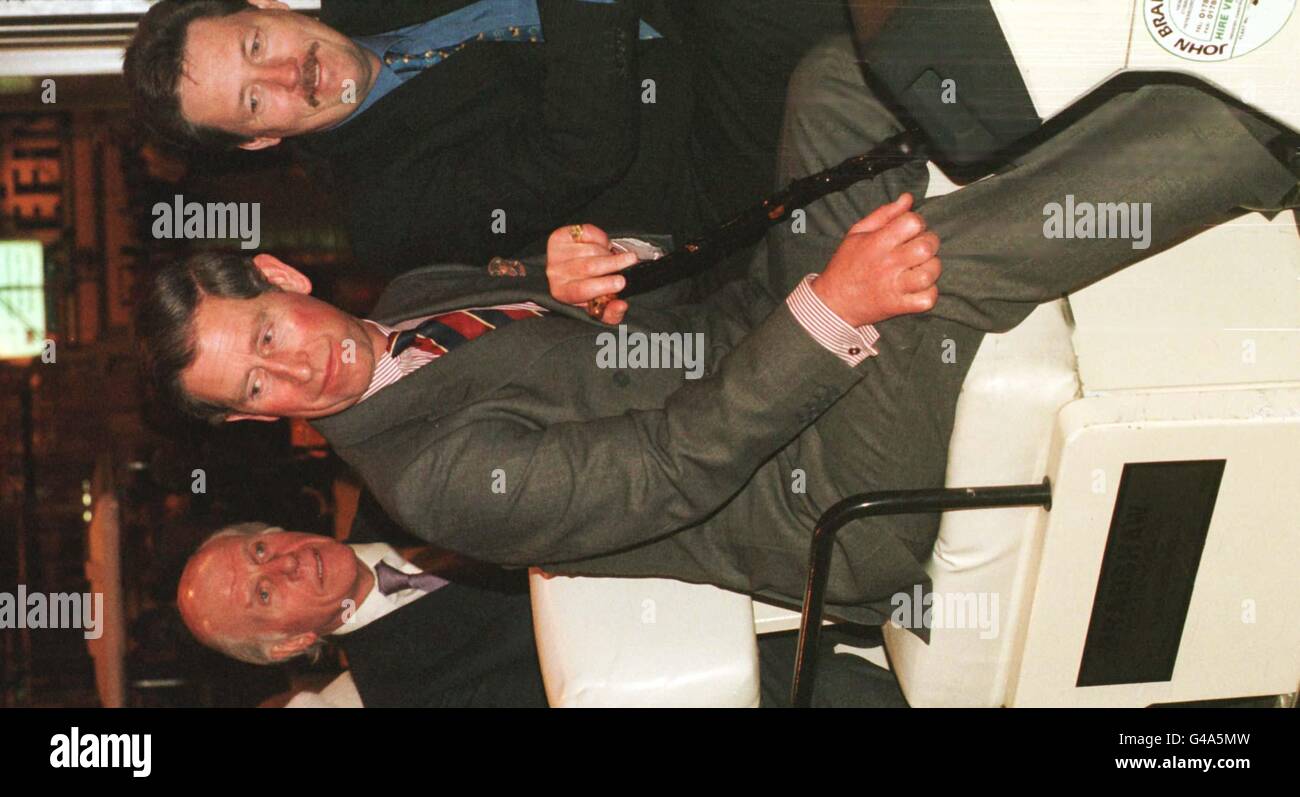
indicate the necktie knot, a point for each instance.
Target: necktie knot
{"x":442,"y":333}
{"x":391,"y":580}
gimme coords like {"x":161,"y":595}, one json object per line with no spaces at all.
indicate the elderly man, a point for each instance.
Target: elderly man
{"x":412,"y":638}
{"x":465,"y":129}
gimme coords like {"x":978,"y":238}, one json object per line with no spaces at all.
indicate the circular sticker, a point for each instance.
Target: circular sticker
{"x":1214,"y":30}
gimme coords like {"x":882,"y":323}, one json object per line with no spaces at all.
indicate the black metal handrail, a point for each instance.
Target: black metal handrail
{"x":884,"y":502}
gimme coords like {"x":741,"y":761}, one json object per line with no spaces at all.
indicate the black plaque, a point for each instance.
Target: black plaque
{"x":1157,"y":533}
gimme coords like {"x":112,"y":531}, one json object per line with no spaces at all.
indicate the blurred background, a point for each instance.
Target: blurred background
{"x":101,"y":491}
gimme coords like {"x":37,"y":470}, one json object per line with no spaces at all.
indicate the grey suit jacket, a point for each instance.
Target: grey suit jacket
{"x":518,"y":448}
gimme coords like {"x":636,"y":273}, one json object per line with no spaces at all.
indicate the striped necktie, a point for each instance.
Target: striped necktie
{"x":442,"y":333}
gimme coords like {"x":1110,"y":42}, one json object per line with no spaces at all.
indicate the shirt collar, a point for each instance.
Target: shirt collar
{"x":385,"y":83}
{"x":376,"y":605}
{"x":387,"y":370}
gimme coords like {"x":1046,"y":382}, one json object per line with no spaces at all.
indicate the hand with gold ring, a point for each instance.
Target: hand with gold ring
{"x":582,"y":271}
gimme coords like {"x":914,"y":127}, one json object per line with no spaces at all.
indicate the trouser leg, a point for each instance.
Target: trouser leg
{"x":1183,"y":153}
{"x":1175,"y":150}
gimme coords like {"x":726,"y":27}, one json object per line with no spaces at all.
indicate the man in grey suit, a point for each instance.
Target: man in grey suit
{"x":529,"y":447}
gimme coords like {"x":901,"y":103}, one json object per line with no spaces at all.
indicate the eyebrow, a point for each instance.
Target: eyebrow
{"x":234,"y":583}
{"x":247,"y":549}
{"x":259,"y":322}
{"x":243,"y":88}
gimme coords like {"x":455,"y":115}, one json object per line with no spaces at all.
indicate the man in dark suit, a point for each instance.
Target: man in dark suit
{"x":264,"y":595}
{"x":459,"y":130}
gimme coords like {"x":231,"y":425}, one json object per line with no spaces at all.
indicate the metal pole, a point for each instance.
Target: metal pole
{"x":884,"y":502}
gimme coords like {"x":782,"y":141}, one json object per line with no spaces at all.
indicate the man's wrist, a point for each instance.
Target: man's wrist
{"x":851,"y":344}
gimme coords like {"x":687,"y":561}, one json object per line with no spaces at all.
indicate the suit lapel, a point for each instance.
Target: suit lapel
{"x":466,"y":373}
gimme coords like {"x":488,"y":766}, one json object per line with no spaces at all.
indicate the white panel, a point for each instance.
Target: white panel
{"x":1252,"y":551}
{"x":1065,"y":48}
{"x":1221,"y":308}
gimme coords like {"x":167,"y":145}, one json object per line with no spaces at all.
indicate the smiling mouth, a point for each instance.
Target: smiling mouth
{"x":320,"y":568}
{"x":311,"y":75}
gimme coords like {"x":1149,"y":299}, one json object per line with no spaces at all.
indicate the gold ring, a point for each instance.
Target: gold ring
{"x":576,"y":232}
{"x":596,"y":307}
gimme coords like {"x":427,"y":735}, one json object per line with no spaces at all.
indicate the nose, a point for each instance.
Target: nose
{"x":284,"y":72}
{"x":284,"y":564}
{"x":294,"y":368}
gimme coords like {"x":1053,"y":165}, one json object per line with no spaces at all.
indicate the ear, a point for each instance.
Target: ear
{"x":239,"y":416}
{"x":261,"y":142}
{"x":281,"y":274}
{"x":269,"y":5}
{"x":288,"y":648}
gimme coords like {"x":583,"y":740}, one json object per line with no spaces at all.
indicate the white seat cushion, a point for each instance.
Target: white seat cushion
{"x":339,"y":693}
{"x":647,"y":642}
{"x":1001,"y":435}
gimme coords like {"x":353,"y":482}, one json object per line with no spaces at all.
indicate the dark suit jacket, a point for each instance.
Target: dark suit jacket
{"x":467,"y":644}
{"x":520,"y":449}
{"x":545,"y":133}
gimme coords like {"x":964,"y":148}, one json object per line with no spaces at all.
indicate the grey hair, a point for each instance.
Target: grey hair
{"x":257,"y":649}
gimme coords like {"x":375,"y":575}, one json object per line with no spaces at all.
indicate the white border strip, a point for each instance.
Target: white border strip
{"x":52,"y":61}
{"x":57,"y":8}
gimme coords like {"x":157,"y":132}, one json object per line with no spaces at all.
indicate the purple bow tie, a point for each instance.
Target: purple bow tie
{"x":393,"y":580}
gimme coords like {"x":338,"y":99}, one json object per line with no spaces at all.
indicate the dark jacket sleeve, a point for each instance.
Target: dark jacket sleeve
{"x":512,"y":180}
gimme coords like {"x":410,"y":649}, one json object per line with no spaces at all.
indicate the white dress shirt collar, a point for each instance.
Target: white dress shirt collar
{"x":377,"y":605}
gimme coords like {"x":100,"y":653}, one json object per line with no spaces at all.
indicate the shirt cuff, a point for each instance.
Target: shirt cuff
{"x":851,"y":344}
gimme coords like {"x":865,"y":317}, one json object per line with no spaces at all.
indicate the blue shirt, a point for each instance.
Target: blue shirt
{"x":450,"y":30}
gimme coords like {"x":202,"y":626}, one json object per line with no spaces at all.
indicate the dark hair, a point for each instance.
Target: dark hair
{"x":153,"y":66}
{"x":164,"y":322}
